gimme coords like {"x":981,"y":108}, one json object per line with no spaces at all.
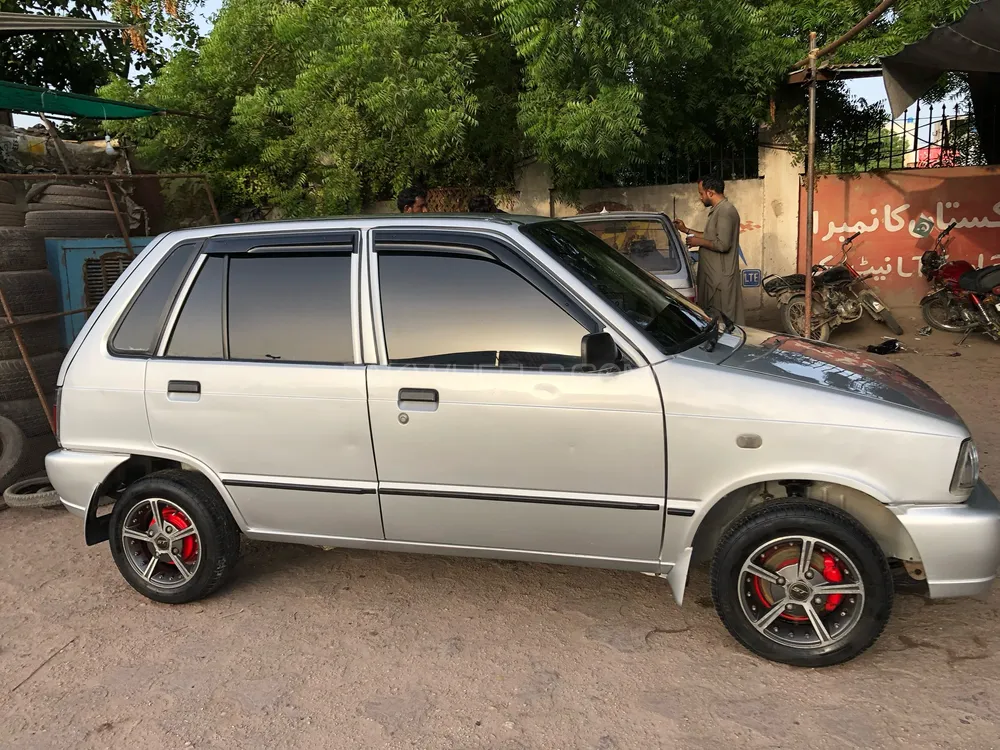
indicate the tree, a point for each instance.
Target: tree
{"x":81,"y":62}
{"x":323,"y":105}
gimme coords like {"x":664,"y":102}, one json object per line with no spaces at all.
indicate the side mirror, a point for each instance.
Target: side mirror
{"x":599,"y":350}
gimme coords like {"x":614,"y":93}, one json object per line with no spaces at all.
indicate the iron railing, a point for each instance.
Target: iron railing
{"x":730,"y":161}
{"x":928,"y":136}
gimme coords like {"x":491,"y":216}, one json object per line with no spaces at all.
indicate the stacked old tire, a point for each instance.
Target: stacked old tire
{"x":56,"y":210}
{"x":30,"y":290}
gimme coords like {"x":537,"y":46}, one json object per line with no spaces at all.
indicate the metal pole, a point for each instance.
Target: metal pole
{"x":810,"y":183}
{"x":118,"y":215}
{"x":27,"y":362}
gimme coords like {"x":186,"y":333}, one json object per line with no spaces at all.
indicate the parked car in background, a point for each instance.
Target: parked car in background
{"x":505,"y":387}
{"x":649,"y":240}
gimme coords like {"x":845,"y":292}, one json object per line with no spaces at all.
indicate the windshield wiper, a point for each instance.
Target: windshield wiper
{"x":713,"y":332}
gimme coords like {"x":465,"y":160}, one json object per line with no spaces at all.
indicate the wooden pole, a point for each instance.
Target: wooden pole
{"x":211,"y":201}
{"x":860,"y":26}
{"x":118,"y":215}
{"x":810,"y":183}
{"x":27,"y":363}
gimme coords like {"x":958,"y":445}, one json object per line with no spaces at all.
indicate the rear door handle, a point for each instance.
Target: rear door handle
{"x":417,"y":399}
{"x":184,"y":386}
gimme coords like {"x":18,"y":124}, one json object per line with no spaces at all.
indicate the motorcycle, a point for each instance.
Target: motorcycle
{"x":963,"y":298}
{"x":840,"y":295}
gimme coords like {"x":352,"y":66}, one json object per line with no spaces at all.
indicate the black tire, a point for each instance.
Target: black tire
{"x":195,"y":496}
{"x":30,"y":292}
{"x":73,"y":223}
{"x":79,"y":191}
{"x":11,"y":216}
{"x":890,"y":321}
{"x":21,"y":250}
{"x":27,"y":413}
{"x":15,"y":382}
{"x":8,"y":194}
{"x":944,"y":316}
{"x":76,"y":201}
{"x":32,"y":463}
{"x":31,"y":207}
{"x":36,"y":492}
{"x":11,"y":451}
{"x":832,"y":526}
{"x":39,"y":338}
{"x":793,"y":315}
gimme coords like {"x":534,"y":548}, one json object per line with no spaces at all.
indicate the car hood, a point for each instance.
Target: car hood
{"x":838,"y":369}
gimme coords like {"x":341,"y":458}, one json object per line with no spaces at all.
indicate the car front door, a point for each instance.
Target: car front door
{"x":258,"y":377}
{"x":488,"y":433}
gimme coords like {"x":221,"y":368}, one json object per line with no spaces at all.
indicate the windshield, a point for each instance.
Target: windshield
{"x":669,"y":319}
{"x":645,"y":242}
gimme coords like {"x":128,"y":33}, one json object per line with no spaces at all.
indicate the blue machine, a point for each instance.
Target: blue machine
{"x":85,"y":269}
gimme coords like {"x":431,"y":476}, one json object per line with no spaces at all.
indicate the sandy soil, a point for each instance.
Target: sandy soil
{"x":339,"y":649}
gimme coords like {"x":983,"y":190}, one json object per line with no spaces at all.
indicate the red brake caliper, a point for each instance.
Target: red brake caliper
{"x":178,"y":521}
{"x":832,"y":574}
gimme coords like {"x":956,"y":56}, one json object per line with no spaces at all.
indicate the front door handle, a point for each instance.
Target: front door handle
{"x":184,"y":386}
{"x":417,"y":399}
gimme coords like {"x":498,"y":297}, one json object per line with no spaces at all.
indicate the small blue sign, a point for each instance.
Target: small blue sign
{"x":751,"y":277}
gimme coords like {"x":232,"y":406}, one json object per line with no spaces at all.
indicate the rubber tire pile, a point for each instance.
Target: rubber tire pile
{"x":25,"y":436}
{"x":70,"y":211}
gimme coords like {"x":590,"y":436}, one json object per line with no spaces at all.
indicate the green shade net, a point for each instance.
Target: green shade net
{"x":18,"y":98}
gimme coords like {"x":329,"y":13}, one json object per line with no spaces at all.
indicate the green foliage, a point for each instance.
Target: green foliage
{"x":319,"y":106}
{"x":81,"y":62}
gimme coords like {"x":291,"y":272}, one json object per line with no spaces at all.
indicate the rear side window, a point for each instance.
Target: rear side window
{"x":198,"y":332}
{"x":291,"y":308}
{"x":139,"y":328}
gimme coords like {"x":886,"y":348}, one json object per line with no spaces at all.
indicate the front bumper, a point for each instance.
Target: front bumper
{"x":76,"y":476}
{"x":959,"y":545}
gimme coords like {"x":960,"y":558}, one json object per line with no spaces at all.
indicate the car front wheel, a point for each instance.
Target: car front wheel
{"x":172,"y":537}
{"x":802,"y":583}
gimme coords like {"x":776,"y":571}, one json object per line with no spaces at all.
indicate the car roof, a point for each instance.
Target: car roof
{"x":617,"y":215}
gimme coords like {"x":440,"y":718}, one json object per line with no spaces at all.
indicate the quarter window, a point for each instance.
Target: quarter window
{"x":453,"y":310}
{"x":290,"y":308}
{"x":198,"y":332}
{"x":140,"y":327}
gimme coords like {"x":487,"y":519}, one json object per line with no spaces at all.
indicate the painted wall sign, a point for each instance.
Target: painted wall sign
{"x":899,"y":214}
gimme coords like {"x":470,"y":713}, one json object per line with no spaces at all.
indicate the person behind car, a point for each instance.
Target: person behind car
{"x":412,"y":200}
{"x":719,"y":262}
{"x":483,"y":204}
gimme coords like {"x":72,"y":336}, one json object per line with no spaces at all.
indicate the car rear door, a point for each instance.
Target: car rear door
{"x":488,"y":434}
{"x":258,"y":376}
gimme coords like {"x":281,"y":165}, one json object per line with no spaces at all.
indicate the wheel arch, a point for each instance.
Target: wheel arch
{"x":695,"y":541}
{"x":137,"y":466}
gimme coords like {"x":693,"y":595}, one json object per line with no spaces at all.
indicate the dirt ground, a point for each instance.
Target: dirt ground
{"x":343,"y":649}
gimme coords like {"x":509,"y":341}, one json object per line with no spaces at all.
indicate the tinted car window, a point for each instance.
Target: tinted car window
{"x":291,"y":308}
{"x":645,"y":242}
{"x":471,"y":312}
{"x":141,"y":324}
{"x":198,"y":332}
{"x":669,"y":319}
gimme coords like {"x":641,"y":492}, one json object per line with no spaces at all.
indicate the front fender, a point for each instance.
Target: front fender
{"x":931,"y":295}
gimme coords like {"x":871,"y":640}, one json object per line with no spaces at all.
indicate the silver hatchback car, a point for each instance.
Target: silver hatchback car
{"x":511,"y":388}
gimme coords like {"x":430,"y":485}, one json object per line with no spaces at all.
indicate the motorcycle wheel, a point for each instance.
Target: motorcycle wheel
{"x":941,"y":314}
{"x":890,"y":321}
{"x":793,"y":316}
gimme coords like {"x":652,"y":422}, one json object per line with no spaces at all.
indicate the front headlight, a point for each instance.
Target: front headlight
{"x":966,"y":469}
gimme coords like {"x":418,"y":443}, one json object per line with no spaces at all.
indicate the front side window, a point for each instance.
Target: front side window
{"x":466,"y":311}
{"x":140,"y":326}
{"x":290,"y":308}
{"x":670,"y":320}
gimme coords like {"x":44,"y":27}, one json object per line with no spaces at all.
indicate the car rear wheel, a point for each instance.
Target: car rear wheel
{"x":802,"y":583}
{"x":172,"y":537}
